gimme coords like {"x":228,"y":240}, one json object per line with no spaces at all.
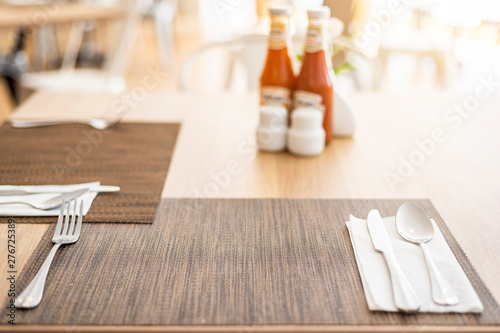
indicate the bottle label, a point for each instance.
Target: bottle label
{"x":272,"y":95}
{"x":277,"y":35}
{"x":306,"y":99}
{"x":314,"y":39}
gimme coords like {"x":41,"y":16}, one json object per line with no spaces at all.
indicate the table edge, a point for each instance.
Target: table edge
{"x":246,"y":328}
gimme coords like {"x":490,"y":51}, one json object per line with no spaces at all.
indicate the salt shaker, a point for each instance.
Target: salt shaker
{"x":306,"y":136}
{"x":271,"y":133}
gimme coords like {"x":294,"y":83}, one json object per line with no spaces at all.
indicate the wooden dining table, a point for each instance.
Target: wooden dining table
{"x":55,"y":13}
{"x":404,"y":147}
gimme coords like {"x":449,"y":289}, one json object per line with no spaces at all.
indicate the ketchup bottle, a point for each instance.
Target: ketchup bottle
{"x":314,"y":88}
{"x":278,"y":80}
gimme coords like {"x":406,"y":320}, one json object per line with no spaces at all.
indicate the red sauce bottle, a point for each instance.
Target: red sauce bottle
{"x":314,"y":86}
{"x":278,"y":79}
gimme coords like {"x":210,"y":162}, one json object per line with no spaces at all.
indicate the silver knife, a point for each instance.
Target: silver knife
{"x":35,"y":190}
{"x":57,"y":201}
{"x":404,"y":295}
{"x":53,"y":202}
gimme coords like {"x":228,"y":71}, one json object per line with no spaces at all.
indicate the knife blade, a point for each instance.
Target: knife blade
{"x":13,"y":190}
{"x":405,"y":297}
{"x":378,"y":233}
{"x":58,"y":200}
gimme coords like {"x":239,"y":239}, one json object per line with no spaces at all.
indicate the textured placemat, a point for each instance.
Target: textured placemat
{"x":134,"y":156}
{"x":226,"y":261}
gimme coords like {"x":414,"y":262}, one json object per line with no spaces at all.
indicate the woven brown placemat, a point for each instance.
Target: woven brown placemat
{"x":226,"y":261}
{"x":134,"y":156}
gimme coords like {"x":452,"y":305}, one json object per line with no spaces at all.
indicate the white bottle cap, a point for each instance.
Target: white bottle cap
{"x":271,"y":133}
{"x":319,"y":12}
{"x":280,"y":9}
{"x":306,"y":136}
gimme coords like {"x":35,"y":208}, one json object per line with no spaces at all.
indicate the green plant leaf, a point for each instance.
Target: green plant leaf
{"x":343,"y":67}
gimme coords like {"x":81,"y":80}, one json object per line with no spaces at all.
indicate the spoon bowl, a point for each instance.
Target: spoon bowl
{"x":414,"y":225}
{"x":99,"y":123}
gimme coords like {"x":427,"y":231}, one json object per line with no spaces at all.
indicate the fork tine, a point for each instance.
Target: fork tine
{"x":78,"y":228}
{"x":67,"y":218}
{"x":73,"y":218}
{"x":60,"y":219}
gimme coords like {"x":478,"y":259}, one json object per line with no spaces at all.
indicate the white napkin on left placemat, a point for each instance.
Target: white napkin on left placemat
{"x":376,"y":279}
{"x":25,"y":210}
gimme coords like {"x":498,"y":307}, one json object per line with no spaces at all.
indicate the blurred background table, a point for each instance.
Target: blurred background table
{"x":57,"y":13}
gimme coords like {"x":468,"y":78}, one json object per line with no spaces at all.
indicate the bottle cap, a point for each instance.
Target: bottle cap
{"x":306,"y":136}
{"x":271,"y":133}
{"x":319,"y":12}
{"x":280,"y":9}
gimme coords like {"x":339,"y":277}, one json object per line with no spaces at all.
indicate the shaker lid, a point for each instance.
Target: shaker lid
{"x":280,"y":9}
{"x":273,"y":116}
{"x":307,"y":120}
{"x":319,"y":12}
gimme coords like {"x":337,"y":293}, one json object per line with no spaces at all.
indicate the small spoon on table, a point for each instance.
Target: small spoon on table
{"x":97,"y":123}
{"x":415,"y":226}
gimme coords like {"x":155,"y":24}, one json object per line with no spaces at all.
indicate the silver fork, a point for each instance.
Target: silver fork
{"x":68,"y":228}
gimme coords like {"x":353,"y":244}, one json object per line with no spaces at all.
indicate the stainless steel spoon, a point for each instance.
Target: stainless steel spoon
{"x":414,"y":225}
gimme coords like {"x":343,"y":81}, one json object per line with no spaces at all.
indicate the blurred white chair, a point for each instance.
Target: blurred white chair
{"x":76,"y":34}
{"x":223,"y":19}
{"x":249,"y":50}
{"x":44,"y":47}
{"x":110,"y":79}
{"x":164,"y":12}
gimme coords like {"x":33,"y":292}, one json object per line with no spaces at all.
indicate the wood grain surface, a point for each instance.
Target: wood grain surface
{"x":134,"y":156}
{"x":226,"y":262}
{"x":461,"y":177}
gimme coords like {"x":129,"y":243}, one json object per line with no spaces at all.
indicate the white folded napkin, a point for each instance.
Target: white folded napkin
{"x":376,"y":279}
{"x":25,"y":210}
